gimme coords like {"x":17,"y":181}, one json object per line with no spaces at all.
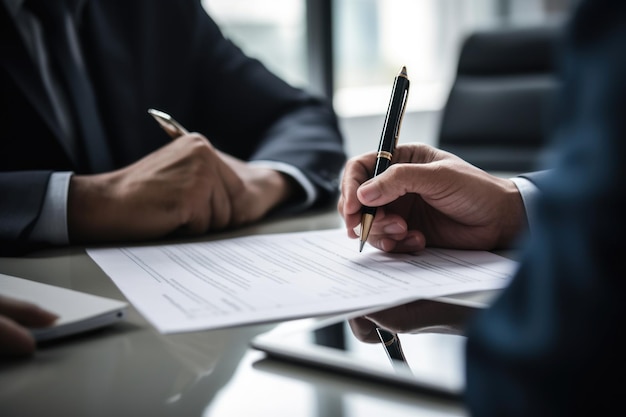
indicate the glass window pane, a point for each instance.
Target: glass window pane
{"x":272,"y":31}
{"x":375,"y":38}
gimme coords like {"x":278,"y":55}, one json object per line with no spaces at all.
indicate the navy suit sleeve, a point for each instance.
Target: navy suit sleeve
{"x":249,"y":112}
{"x":20,"y":204}
{"x":211,"y":87}
{"x":552,"y":343}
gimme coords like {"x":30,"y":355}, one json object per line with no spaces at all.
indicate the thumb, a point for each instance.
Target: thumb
{"x":398,"y":180}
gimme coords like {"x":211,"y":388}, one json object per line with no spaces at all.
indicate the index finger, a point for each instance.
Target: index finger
{"x":356,"y":172}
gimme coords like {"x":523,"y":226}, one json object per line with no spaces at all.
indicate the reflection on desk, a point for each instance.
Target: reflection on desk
{"x":132,"y":370}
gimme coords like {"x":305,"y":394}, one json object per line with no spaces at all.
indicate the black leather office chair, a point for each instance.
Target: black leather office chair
{"x":498,"y":108}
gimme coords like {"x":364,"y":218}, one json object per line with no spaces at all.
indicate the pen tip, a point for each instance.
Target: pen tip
{"x":403,"y":71}
{"x":361,"y":244}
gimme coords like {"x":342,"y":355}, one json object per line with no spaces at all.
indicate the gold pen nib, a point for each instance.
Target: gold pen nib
{"x":366,"y":224}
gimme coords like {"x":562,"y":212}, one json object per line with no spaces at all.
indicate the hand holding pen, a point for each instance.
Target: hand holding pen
{"x":388,"y":142}
{"x":181,"y":188}
{"x":251,"y":190}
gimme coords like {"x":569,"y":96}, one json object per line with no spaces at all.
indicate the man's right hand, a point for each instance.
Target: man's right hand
{"x":431,"y":197}
{"x":186,"y":188}
{"x":183,"y":187}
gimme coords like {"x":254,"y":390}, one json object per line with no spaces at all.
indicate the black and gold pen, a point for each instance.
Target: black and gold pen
{"x":167,"y":122}
{"x":388,"y":142}
{"x":393,"y":348}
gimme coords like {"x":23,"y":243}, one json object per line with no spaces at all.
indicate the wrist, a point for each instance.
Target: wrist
{"x":87,"y":208}
{"x":279,"y":188}
{"x":513,"y":216}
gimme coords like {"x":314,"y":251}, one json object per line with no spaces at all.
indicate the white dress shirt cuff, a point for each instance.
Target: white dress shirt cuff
{"x":529,"y":193}
{"x":299,"y":177}
{"x":51,"y":226}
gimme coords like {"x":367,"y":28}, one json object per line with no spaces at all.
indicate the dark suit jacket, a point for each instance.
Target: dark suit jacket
{"x":553,"y":343}
{"x":166,"y":54}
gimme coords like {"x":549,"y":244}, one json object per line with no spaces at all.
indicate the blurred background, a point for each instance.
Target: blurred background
{"x":350,"y":50}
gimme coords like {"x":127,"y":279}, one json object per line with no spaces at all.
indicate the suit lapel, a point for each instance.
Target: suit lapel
{"x":19,"y":66}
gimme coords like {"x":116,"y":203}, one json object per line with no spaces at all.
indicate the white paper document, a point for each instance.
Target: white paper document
{"x":262,"y":278}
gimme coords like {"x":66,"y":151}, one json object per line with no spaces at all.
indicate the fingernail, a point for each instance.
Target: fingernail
{"x":357,"y":230}
{"x":413,"y":242}
{"x":370,"y":193}
{"x":393,"y":228}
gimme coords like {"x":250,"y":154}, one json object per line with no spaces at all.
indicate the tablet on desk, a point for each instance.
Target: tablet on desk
{"x":433,"y":362}
{"x":78,"y":311}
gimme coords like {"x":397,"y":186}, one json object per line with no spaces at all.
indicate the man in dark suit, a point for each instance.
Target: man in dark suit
{"x":551,"y":344}
{"x":92,"y":167}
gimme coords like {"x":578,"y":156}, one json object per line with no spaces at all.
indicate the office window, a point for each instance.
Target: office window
{"x":373,"y":39}
{"x":274,"y":31}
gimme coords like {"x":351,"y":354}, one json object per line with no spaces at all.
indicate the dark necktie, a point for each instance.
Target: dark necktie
{"x":56,"y":20}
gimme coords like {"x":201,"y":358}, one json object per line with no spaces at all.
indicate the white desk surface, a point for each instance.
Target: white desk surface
{"x":132,"y":370}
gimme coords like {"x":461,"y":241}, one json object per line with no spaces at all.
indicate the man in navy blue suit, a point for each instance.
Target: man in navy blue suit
{"x":82,"y":161}
{"x":551,"y":344}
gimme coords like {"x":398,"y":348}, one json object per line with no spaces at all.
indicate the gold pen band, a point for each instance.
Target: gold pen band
{"x":384,"y":154}
{"x":390,"y":342}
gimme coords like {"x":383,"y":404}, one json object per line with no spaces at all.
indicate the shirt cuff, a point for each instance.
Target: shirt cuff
{"x":529,"y":193}
{"x":51,"y":226}
{"x":298,"y":176}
